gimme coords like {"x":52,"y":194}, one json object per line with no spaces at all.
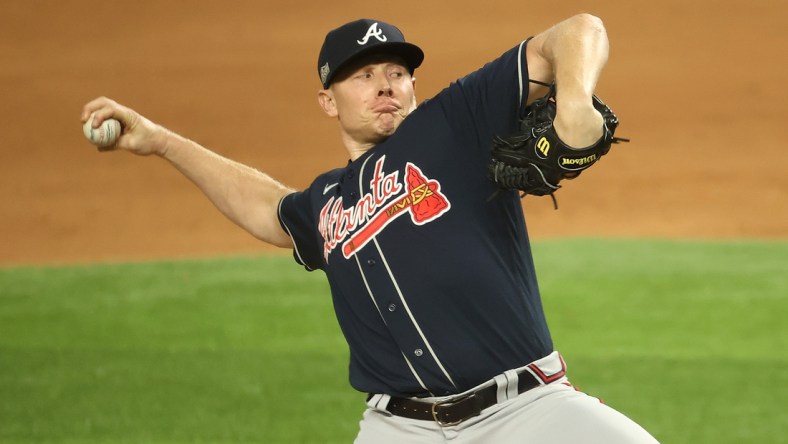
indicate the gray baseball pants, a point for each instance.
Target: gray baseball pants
{"x":552,"y":413}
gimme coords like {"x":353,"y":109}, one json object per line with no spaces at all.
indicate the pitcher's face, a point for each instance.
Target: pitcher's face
{"x":372,"y":97}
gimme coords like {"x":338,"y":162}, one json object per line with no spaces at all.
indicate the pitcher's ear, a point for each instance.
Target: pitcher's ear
{"x":326,"y":100}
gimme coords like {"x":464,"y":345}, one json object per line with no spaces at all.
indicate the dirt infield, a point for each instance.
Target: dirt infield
{"x":697,"y":86}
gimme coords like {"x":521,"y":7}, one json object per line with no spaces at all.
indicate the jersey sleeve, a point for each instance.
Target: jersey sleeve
{"x":490,"y":100}
{"x":298,"y":220}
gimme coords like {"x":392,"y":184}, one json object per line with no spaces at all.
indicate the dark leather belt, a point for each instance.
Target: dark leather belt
{"x":456,"y":410}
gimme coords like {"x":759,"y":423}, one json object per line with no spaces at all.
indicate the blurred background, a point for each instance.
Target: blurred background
{"x":675,"y":242}
{"x":695,"y":84}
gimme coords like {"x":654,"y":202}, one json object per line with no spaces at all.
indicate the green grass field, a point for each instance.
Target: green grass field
{"x":687,"y":338}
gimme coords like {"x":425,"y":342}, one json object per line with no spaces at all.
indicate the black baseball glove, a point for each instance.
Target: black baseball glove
{"x":534,"y":160}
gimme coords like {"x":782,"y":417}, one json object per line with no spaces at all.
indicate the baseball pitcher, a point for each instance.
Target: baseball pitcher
{"x":421,"y":235}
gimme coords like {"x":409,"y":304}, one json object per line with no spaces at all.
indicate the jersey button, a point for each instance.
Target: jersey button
{"x":392,"y":307}
{"x":371,"y":262}
{"x":350,"y":174}
{"x":418,"y":352}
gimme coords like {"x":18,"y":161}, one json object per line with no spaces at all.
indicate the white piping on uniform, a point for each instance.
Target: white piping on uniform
{"x":371,"y":296}
{"x":292,"y":239}
{"x":520,"y":71}
{"x":361,"y":174}
{"x":358,"y":262}
{"x":369,"y":290}
{"x":366,"y":284}
{"x":410,"y":314}
{"x":416,"y":375}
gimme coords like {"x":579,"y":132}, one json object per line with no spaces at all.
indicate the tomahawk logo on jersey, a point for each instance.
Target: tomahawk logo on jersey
{"x":387,"y":199}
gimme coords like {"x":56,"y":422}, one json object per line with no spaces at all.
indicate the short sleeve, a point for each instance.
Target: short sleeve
{"x":490,"y":100}
{"x":298,"y":219}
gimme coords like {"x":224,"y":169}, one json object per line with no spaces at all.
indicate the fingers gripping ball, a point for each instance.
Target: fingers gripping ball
{"x":105,"y":135}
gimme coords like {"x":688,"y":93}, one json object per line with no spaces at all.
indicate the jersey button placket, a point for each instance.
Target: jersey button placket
{"x":382,"y":288}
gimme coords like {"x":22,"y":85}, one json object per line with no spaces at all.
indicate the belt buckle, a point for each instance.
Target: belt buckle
{"x":449,"y":403}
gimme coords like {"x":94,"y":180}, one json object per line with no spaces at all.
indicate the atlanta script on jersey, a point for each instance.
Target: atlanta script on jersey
{"x":389,"y":198}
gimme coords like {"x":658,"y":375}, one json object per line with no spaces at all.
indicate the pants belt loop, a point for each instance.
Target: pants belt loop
{"x":503,"y":389}
{"x":378,"y":401}
{"x":507,"y":384}
{"x":511,"y":387}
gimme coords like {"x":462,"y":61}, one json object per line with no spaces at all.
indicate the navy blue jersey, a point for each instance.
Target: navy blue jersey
{"x":433,"y":282}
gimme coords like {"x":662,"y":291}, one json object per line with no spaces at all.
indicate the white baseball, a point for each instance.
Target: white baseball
{"x":105,"y":135}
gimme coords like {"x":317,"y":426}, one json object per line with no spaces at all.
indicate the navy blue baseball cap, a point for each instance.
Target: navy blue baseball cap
{"x":363,"y":37}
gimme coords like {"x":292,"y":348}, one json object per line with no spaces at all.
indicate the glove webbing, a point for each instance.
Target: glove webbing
{"x":510,"y":176}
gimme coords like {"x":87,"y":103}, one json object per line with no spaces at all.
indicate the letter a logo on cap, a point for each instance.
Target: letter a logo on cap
{"x":373,"y":31}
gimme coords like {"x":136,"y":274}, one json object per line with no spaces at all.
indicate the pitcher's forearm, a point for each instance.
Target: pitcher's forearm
{"x":243,"y":194}
{"x":578,"y":49}
{"x":246,"y":196}
{"x":573,"y":54}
